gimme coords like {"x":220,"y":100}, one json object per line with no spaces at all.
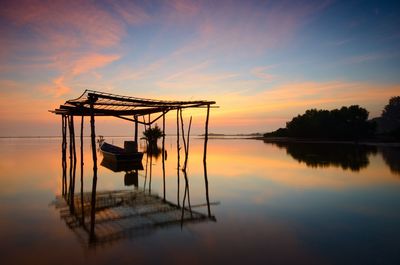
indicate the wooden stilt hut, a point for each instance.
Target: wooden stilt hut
{"x":139,"y":111}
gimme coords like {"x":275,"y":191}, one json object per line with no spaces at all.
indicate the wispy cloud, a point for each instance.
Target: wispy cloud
{"x":65,"y":24}
{"x":58,"y":87}
{"x":92,"y":61}
{"x":131,"y":12}
{"x":340,"y":42}
{"x":368,"y":57}
{"x":260,"y":72}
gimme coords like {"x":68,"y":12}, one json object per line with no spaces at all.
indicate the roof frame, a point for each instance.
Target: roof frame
{"x":107,"y":104}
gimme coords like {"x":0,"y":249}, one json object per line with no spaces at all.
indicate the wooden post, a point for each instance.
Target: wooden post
{"x":206,"y":186}
{"x":163,"y":155}
{"x":145,"y":174}
{"x":206,"y":135}
{"x":136,"y":131}
{"x":92,"y":235}
{"x":205,"y":161}
{"x":72,"y":151}
{"x":94,"y":156}
{"x":74,"y":157}
{"x":186,"y":194}
{"x":187,"y":144}
{"x":64,"y":155}
{"x":178,"y":148}
{"x":82,"y":204}
{"x":149,"y":121}
{"x":70,"y":159}
{"x":183,"y":135}
{"x":151,"y":172}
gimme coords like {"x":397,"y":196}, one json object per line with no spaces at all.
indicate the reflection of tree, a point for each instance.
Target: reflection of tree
{"x":346,"y":156}
{"x":391,"y":155}
{"x":153,"y":151}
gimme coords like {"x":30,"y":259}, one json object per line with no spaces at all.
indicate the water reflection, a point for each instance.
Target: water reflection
{"x":275,"y":210}
{"x":346,"y":156}
{"x":391,"y":155}
{"x":101,"y":217}
{"x":153,"y":150}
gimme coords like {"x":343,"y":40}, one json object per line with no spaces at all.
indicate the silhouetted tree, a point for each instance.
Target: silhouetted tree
{"x":390,"y":118}
{"x":344,"y":123}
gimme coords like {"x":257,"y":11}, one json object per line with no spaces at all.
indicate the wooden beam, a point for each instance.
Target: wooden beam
{"x":145,"y":101}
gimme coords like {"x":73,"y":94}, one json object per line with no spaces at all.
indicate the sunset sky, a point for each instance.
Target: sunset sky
{"x":263,"y":62}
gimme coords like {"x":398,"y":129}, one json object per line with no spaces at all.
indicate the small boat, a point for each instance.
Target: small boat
{"x":118,"y":154}
{"x":121,"y":165}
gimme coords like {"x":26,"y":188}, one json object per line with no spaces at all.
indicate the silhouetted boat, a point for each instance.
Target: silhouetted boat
{"x":118,"y":166}
{"x":118,"y":154}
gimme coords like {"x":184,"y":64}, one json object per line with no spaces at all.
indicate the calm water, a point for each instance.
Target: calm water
{"x":273,"y":204}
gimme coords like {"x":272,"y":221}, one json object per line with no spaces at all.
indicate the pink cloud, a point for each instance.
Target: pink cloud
{"x":131,"y":12}
{"x":185,"y":7}
{"x":66,"y":23}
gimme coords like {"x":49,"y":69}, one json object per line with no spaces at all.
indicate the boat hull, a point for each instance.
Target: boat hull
{"x":117,"y":154}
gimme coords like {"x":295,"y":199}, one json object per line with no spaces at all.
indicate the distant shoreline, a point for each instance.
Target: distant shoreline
{"x":325,"y":141}
{"x":243,"y":137}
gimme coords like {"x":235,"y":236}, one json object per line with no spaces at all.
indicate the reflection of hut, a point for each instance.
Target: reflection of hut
{"x":123,"y":214}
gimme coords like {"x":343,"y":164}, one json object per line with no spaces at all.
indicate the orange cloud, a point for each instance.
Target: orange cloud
{"x":92,"y":61}
{"x":286,"y":101}
{"x":58,"y":88}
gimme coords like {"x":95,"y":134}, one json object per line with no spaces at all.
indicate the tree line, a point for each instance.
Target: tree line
{"x":346,"y":123}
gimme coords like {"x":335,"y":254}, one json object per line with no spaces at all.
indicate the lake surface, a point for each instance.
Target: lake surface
{"x":269,"y":204}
